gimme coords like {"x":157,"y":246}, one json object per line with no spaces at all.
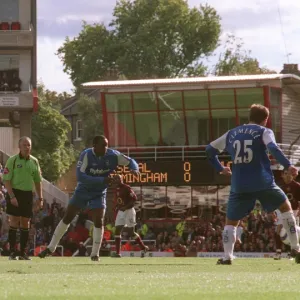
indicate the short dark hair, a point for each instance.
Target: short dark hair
{"x":98,"y":138}
{"x":258,"y":113}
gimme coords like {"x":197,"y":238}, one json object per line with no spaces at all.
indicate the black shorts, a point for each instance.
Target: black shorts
{"x":25,"y":201}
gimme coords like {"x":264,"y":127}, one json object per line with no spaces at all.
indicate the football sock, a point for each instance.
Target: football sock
{"x":118,"y":243}
{"x":24,"y":239}
{"x":139,"y":240}
{"x":289,"y":224}
{"x":97,"y":240}
{"x":57,"y":235}
{"x":12,"y":237}
{"x":278,"y":242}
{"x":229,"y":238}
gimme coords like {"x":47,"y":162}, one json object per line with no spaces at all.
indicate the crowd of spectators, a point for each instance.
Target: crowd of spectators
{"x":256,"y":233}
{"x":10,"y":82}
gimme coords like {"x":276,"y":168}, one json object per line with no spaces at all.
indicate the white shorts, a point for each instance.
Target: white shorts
{"x":126,"y":218}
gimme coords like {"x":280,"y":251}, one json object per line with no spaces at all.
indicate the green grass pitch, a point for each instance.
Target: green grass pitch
{"x":148,"y":278}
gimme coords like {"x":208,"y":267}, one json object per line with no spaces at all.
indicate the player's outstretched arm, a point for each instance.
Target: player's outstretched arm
{"x":124,"y":160}
{"x":214,"y":149}
{"x":270,"y":142}
{"x":81,"y":169}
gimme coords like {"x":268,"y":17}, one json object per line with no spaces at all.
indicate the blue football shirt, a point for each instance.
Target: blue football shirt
{"x":251,"y":166}
{"x":92,"y":170}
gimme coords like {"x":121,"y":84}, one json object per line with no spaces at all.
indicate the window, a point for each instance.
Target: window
{"x":172,"y":128}
{"x":222,"y":98}
{"x":247,"y":97}
{"x":276,"y":124}
{"x":9,"y":10}
{"x":198,"y":127}
{"x":170,"y":100}
{"x":118,"y":102}
{"x":195,"y":100}
{"x":147,"y":131}
{"x":243,"y":114}
{"x":121,"y":129}
{"x":223,"y":120}
{"x":275,"y":95}
{"x":9,"y":73}
{"x":79,"y":130}
{"x":144,"y":101}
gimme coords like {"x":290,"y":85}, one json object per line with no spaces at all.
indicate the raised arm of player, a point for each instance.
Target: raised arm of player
{"x":126,"y":161}
{"x":213,"y":149}
{"x":81,"y":169}
{"x":270,"y":142}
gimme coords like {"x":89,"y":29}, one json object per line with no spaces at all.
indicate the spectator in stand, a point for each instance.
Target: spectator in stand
{"x":15,"y":83}
{"x":150,"y":235}
{"x":180,"y":227}
{"x":176,"y":239}
{"x":54,"y":205}
{"x":82,"y":251}
{"x":190,"y":235}
{"x":4,"y":85}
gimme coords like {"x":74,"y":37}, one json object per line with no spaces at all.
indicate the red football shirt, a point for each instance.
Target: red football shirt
{"x":125,"y":195}
{"x":292,"y":190}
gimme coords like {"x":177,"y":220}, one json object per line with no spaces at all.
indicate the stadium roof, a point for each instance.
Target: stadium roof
{"x":192,"y":80}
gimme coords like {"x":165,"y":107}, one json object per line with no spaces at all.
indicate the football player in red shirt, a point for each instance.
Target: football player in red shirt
{"x":292,"y":189}
{"x":126,"y":215}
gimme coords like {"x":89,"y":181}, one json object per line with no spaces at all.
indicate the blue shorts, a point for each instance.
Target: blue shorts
{"x":82,"y":200}
{"x":241,"y":204}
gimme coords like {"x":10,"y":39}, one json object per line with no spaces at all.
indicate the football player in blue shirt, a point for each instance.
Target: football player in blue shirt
{"x":252,"y":178}
{"x":94,"y":172}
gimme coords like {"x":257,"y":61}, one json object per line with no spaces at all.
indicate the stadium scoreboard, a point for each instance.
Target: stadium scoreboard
{"x":175,"y":173}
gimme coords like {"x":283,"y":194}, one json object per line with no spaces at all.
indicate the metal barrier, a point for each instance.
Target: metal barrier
{"x":193,"y":152}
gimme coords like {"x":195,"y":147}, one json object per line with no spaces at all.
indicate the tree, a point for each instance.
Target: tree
{"x":235,"y":60}
{"x":88,"y":56}
{"x":91,"y":115}
{"x":162,"y":38}
{"x":50,"y":139}
{"x":147,"y":39}
{"x":57,"y":99}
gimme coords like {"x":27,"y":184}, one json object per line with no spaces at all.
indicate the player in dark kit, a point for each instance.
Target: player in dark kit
{"x":292,"y":190}
{"x":126,"y":215}
{"x":252,"y":178}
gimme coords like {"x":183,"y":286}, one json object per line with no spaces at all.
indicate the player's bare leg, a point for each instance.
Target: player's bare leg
{"x":229,"y":238}
{"x":138,"y":240}
{"x":60,"y":230}
{"x":289,"y":224}
{"x":98,"y":219}
{"x":118,"y":233}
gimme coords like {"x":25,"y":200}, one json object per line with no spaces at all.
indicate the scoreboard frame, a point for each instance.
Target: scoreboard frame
{"x":174,"y":173}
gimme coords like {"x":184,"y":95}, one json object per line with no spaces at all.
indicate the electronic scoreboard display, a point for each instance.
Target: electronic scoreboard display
{"x":175,"y":173}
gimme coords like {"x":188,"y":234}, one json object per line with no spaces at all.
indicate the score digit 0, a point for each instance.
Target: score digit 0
{"x":187,"y":169}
